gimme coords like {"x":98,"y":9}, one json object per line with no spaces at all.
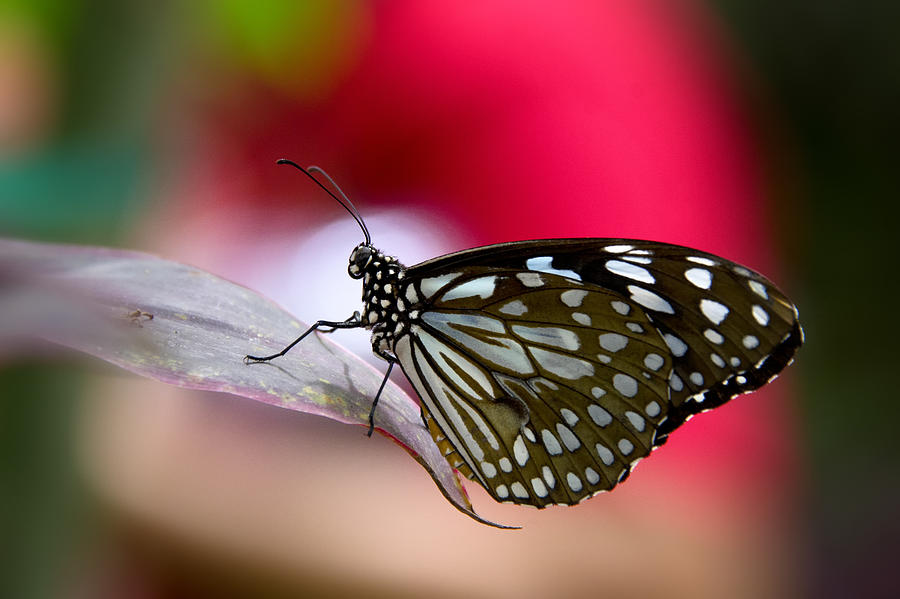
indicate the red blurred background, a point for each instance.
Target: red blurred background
{"x":450,"y":125}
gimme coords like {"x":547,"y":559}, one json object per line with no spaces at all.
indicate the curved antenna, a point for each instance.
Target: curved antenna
{"x":320,"y":171}
{"x":347,"y":206}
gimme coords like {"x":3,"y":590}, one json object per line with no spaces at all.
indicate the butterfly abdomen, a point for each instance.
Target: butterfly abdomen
{"x":447,"y":450}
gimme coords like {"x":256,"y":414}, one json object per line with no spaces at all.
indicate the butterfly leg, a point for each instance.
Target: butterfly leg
{"x":391,"y":361}
{"x":351,"y":323}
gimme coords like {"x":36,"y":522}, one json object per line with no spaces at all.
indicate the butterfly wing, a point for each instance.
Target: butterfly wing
{"x":548,"y":368}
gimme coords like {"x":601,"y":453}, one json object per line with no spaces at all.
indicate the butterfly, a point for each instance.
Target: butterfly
{"x":548,"y":369}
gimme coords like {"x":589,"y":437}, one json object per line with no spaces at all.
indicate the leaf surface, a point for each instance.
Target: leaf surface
{"x":187,"y":327}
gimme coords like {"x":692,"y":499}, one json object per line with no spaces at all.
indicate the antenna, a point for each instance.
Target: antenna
{"x":346,"y":203}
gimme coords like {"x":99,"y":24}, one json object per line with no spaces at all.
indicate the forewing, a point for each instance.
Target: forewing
{"x":543,"y":389}
{"x":728,"y":330}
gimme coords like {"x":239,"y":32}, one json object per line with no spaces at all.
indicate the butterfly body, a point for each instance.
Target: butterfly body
{"x":547,"y":369}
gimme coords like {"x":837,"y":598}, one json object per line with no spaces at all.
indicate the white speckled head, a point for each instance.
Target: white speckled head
{"x":360,"y":258}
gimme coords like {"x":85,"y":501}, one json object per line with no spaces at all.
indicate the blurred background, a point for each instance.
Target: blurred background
{"x":762,"y":131}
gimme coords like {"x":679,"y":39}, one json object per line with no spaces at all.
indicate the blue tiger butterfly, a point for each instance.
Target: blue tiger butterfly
{"x":547,"y":369}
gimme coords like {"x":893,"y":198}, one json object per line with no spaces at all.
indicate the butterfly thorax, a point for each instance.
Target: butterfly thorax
{"x":382,"y":277}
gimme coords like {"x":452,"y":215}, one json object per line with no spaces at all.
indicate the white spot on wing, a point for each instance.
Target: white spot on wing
{"x":543,"y":264}
{"x":678,"y":347}
{"x":620,"y":307}
{"x":539,"y":488}
{"x":548,"y":476}
{"x":489,"y":469}
{"x":758,"y":288}
{"x":625,"y":446}
{"x":625,"y":385}
{"x":714,"y":336}
{"x":699,"y":277}
{"x":550,"y":442}
{"x":636,"y":420}
{"x":613,"y":342}
{"x":505,"y":464}
{"x":630,"y":271}
{"x":760,"y":315}
{"x":514,"y":308}
{"x":650,"y":300}
{"x":573,"y":297}
{"x":538,"y":381}
{"x":591,"y":475}
{"x":581,"y":318}
{"x":431,"y":285}
{"x":713,"y":310}
{"x":653,"y":361}
{"x":569,"y":416}
{"x":652,"y":409}
{"x":554,"y":336}
{"x":600,"y":416}
{"x":750,"y":341}
{"x":618,"y":249}
{"x":502,"y":491}
{"x":562,"y":365}
{"x":700,"y":260}
{"x":568,"y":437}
{"x":530,"y":279}
{"x":482,"y":287}
{"x":574,"y":482}
{"x":520,"y":451}
{"x":519,"y":490}
{"x":605,"y":455}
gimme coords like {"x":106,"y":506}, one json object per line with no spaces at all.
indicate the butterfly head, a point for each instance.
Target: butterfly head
{"x":360,"y":258}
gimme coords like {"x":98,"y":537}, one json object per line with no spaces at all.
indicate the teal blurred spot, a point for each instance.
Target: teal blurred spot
{"x":71,"y":192}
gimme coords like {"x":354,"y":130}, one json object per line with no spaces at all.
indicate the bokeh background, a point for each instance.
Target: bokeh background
{"x":763,"y":131}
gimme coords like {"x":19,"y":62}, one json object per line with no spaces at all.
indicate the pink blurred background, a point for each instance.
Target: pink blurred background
{"x":450,"y":125}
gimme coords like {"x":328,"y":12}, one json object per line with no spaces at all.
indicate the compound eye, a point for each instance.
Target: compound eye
{"x":359,"y":259}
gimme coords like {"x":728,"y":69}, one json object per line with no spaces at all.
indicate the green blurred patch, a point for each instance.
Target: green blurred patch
{"x":317,"y":39}
{"x":44,"y":513}
{"x":53,"y":17}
